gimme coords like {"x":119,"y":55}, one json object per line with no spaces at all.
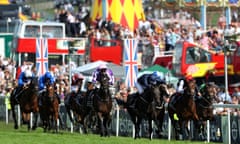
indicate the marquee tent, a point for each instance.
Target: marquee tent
{"x":88,"y":69}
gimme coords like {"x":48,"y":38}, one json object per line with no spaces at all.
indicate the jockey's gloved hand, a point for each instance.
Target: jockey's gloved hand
{"x":97,"y":85}
{"x":25,"y":85}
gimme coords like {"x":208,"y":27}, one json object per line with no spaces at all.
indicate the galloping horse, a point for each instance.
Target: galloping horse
{"x":184,"y":108}
{"x":49,"y":109}
{"x":75,"y":102}
{"x":102,"y":104}
{"x":150,"y":106}
{"x":205,"y":108}
{"x":28,"y":101}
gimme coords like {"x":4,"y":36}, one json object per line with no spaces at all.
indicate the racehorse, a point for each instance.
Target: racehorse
{"x":28,"y":101}
{"x":183,"y":110}
{"x":49,"y":109}
{"x":76,"y":102}
{"x":150,"y":106}
{"x":204,"y":107}
{"x":102,"y":105}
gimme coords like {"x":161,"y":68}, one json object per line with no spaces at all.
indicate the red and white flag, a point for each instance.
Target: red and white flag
{"x":130,"y":62}
{"x":41,"y":56}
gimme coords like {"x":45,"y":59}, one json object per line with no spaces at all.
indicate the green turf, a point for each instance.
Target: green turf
{"x":8,"y":135}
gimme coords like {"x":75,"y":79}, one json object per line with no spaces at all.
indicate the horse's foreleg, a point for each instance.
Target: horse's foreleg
{"x":137,"y":128}
{"x":159,"y":122}
{"x":69,"y":114}
{"x":150,"y":129}
{"x":35,"y":121}
{"x":107,"y":124}
{"x":100,"y":116}
{"x":14,"y":117}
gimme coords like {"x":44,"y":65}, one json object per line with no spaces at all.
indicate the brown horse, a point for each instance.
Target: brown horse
{"x":184,"y":109}
{"x":102,"y":104}
{"x":28,"y":101}
{"x":150,"y":106}
{"x":205,"y":109}
{"x":49,"y":109}
{"x":76,"y":102}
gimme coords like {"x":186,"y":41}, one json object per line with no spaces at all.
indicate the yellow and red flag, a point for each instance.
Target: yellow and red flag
{"x":4,"y":2}
{"x":124,"y":12}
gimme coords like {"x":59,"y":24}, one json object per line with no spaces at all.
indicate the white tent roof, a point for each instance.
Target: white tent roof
{"x":88,"y":69}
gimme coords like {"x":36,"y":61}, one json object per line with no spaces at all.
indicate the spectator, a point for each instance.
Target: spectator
{"x":223,"y":96}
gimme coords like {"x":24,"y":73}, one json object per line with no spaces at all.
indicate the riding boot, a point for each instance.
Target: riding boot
{"x":17,"y":94}
{"x":172,"y":104}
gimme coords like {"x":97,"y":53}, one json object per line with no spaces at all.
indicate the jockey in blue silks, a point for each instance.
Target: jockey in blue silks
{"x":147,"y":80}
{"x":24,"y":79}
{"x":47,"y":78}
{"x":144,"y":82}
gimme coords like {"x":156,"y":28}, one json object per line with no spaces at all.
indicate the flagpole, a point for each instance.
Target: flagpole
{"x":104,"y":9}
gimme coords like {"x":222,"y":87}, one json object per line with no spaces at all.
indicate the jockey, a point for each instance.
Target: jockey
{"x":105,"y":70}
{"x":90,"y":92}
{"x":77,"y":80}
{"x":102,"y":69}
{"x":76,"y":87}
{"x":23,"y":80}
{"x":181,"y":86}
{"x":147,"y":80}
{"x":45,"y":79}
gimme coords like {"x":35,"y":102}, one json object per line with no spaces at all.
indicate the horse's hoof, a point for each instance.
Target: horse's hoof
{"x":34,"y":128}
{"x":16,"y":127}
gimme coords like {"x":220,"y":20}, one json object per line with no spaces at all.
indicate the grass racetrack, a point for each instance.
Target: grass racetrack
{"x":8,"y":135}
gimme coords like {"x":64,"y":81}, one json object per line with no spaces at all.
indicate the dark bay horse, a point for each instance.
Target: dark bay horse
{"x":49,"y":109}
{"x":150,"y":106}
{"x":28,"y":101}
{"x":102,"y":104}
{"x":75,"y":102}
{"x":184,"y":109}
{"x":204,"y":107}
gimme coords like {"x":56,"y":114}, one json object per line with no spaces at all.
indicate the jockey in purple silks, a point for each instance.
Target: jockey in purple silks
{"x":96,"y":78}
{"x":103,"y":69}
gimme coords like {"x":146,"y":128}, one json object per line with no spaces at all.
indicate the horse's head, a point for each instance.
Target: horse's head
{"x":104,"y":86}
{"x":50,"y":90}
{"x":164,"y":90}
{"x":191,"y":87}
{"x":104,"y":80}
{"x":33,"y":83}
{"x":210,"y":91}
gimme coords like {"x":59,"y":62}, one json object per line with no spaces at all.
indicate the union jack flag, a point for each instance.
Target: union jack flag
{"x":41,"y":56}
{"x":130,"y":62}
